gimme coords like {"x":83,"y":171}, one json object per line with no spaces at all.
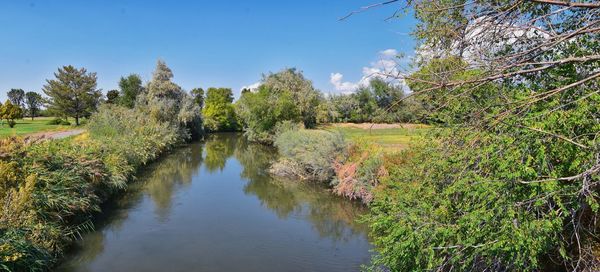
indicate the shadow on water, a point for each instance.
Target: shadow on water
{"x":173,"y":198}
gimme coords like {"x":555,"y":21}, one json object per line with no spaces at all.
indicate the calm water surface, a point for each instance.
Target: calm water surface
{"x":212,"y":206}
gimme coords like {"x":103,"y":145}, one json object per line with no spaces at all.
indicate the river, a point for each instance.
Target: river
{"x":212,"y":206}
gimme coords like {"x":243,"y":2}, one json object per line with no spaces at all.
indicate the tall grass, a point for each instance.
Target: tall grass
{"x":49,"y":191}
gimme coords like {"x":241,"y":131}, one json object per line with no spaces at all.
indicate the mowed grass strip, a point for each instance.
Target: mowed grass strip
{"x":392,"y":137}
{"x":27,"y":126}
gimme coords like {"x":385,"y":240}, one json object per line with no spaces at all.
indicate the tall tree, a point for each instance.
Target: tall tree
{"x":16,"y":97}
{"x":34,"y":101}
{"x":198,"y":95}
{"x":219,"y":114}
{"x":167,"y":102}
{"x":302,"y":91}
{"x":131,"y":87}
{"x":73,"y":93}
{"x":112,"y":97}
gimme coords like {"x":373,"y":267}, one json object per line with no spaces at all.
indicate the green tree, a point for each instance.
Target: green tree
{"x":130,"y":87}
{"x":16,"y":97}
{"x":112,"y":97}
{"x":73,"y":93}
{"x":301,"y":89}
{"x":219,"y":113}
{"x":262,"y":110}
{"x":198,"y":95}
{"x":34,"y":102}
{"x":10,"y":112}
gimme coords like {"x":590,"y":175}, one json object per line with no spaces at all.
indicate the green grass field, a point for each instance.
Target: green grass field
{"x":27,"y":126}
{"x":392,"y":139}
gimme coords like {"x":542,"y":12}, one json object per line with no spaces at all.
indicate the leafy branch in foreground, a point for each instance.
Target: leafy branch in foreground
{"x":512,"y":181}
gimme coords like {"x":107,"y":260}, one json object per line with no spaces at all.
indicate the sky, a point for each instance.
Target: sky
{"x":206,"y":43}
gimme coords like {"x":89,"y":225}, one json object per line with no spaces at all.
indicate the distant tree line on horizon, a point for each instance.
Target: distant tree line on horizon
{"x":283,"y":96}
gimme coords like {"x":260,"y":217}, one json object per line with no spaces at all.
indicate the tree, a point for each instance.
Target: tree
{"x":10,"y":112}
{"x":34,"y":101}
{"x":112,"y":97}
{"x":73,"y":93}
{"x":130,"y":88}
{"x":165,"y":101}
{"x":16,"y":97}
{"x":198,"y":95}
{"x":261,"y":111}
{"x":218,"y":113}
{"x":302,"y":91}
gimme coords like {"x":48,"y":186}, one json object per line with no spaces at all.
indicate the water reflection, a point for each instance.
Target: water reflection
{"x":196,"y":217}
{"x":170,"y":174}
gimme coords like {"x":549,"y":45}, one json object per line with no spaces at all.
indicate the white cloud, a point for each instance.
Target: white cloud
{"x":386,"y":67}
{"x":344,"y":87}
{"x":389,"y":52}
{"x":251,"y":87}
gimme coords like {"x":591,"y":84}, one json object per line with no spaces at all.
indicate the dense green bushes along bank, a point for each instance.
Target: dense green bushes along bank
{"x":49,"y":191}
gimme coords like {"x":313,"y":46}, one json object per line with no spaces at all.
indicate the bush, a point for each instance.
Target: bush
{"x":11,"y":123}
{"x":308,"y":154}
{"x":65,"y":123}
{"x":358,"y":175}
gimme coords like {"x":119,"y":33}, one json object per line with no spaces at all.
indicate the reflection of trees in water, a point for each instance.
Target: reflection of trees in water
{"x":219,"y":147}
{"x":331,"y":216}
{"x":158,"y":180}
{"x":175,"y":170}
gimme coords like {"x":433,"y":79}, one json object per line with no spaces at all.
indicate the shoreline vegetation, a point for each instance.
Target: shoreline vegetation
{"x":51,"y":190}
{"x":504,"y":176}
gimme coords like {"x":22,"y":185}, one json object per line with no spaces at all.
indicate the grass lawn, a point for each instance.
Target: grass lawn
{"x":27,"y":126}
{"x":391,"y":137}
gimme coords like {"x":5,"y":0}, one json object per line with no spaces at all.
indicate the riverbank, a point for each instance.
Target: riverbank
{"x":212,"y":206}
{"x":52,"y":189}
{"x":351,"y":158}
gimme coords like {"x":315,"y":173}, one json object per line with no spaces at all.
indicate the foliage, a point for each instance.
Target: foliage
{"x":33,"y":101}
{"x":294,"y":83}
{"x":16,"y":97}
{"x":359,"y":173}
{"x":50,"y":190}
{"x":112,"y":97}
{"x":73,"y":93}
{"x":219,"y":113}
{"x":513,"y":181}
{"x":379,"y":102}
{"x":308,"y":154}
{"x":166,"y":102}
{"x":131,"y":134}
{"x":262,"y":110}
{"x":282,"y":96}
{"x":10,"y":112}
{"x":130,"y":87}
{"x":198,"y":95}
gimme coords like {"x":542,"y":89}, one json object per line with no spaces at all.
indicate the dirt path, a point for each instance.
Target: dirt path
{"x":56,"y":134}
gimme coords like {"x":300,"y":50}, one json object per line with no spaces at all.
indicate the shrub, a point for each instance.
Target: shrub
{"x":65,"y":123}
{"x":11,"y":123}
{"x":358,"y":175}
{"x":308,"y":154}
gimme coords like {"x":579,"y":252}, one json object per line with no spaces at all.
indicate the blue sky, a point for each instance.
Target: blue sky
{"x":206,"y":43}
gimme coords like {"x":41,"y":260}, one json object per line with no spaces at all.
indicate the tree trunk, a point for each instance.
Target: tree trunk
{"x":77,"y":120}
